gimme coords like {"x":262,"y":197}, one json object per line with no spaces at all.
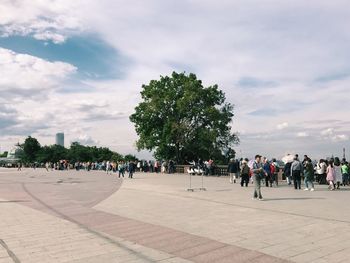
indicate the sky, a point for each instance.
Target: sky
{"x":78,"y":66}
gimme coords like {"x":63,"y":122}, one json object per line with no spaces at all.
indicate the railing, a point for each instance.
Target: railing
{"x":218,"y":170}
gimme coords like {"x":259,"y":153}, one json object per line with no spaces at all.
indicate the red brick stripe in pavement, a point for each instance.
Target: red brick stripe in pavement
{"x":180,"y":244}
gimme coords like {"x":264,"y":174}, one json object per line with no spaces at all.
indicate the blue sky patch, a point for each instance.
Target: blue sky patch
{"x":93,"y":57}
{"x":333,"y":77}
{"x":264,"y":112}
{"x":251,"y":82}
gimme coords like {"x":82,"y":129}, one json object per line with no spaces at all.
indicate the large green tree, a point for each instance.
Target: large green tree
{"x":180,"y":119}
{"x":52,"y":153}
{"x":31,"y":148}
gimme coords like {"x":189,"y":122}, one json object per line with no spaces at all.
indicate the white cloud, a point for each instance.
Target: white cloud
{"x":302,"y":134}
{"x":28,"y":76}
{"x":46,"y":20}
{"x":85,"y":139}
{"x":47,"y":35}
{"x":340,"y":138}
{"x":278,"y":42}
{"x":327,"y":132}
{"x":331,"y":134}
{"x":282,"y":126}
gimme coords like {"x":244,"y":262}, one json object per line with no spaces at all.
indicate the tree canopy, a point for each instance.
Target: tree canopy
{"x":31,"y":149}
{"x":34,"y":152}
{"x":180,"y":119}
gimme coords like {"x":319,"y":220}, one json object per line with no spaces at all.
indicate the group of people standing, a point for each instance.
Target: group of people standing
{"x":243,"y":169}
{"x":295,"y":169}
{"x":337,"y":173}
{"x":121,"y":168}
{"x":333,"y":172}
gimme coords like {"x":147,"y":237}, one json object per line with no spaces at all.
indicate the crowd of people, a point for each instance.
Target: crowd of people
{"x":334,"y":172}
{"x":110,"y":167}
{"x":260,"y":171}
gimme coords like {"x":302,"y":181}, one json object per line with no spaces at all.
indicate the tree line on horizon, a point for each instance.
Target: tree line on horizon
{"x":31,"y":151}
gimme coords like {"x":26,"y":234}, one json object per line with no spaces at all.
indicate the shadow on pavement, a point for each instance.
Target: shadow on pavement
{"x":293,"y":198}
{"x":14,"y":201}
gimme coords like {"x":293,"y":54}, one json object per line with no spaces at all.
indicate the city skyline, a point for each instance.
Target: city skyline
{"x":78,"y":66}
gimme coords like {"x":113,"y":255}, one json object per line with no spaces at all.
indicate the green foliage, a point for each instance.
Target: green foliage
{"x":3,"y":155}
{"x":31,"y":148}
{"x":52,"y":153}
{"x":33,"y":152}
{"x":180,"y":119}
{"x":130,"y":157}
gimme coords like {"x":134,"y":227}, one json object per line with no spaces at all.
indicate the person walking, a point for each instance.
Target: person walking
{"x":258,"y":174}
{"x":338,"y":174}
{"x":331,"y":175}
{"x":131,"y":169}
{"x":108,"y":167}
{"x":309,"y":175}
{"x":296,"y":172}
{"x":47,"y":166}
{"x":245,"y":171}
{"x":345,"y":172}
{"x":276,"y":169}
{"x":268,"y":174}
{"x":287,"y":172}
{"x":121,"y":169}
{"x":233,"y":169}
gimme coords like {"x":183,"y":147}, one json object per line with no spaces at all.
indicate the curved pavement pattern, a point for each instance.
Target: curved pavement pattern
{"x":61,"y":217}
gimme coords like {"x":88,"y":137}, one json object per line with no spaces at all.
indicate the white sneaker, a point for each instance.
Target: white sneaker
{"x":306,"y":189}
{"x":312,"y":189}
{"x":261,"y":199}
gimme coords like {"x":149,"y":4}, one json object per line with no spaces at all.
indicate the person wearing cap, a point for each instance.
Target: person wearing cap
{"x":258,"y":175}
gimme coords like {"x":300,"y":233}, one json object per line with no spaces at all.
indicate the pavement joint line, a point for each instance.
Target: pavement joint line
{"x":221,"y":203}
{"x":9,"y":252}
{"x":96,"y":233}
{"x":242,"y":206}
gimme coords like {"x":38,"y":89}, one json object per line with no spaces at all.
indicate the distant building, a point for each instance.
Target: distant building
{"x":60,"y":138}
{"x":14,"y":153}
{"x":13,"y":157}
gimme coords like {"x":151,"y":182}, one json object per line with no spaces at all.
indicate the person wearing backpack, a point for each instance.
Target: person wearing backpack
{"x":258,"y":175}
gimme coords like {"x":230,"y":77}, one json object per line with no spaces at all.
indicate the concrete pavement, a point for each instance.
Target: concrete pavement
{"x":93,"y":217}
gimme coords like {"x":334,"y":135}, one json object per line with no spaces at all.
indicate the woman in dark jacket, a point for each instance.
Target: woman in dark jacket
{"x":309,"y":175}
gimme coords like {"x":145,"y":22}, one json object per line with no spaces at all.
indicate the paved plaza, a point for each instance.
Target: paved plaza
{"x":69,"y":216}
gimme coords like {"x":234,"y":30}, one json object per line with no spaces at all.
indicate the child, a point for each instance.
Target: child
{"x":331,"y":175}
